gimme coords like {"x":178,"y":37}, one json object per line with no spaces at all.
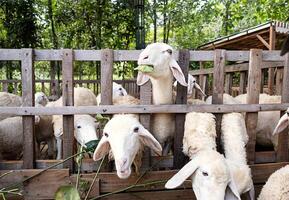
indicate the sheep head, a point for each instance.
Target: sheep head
{"x":85,"y":128}
{"x":41,"y":98}
{"x":123,"y":135}
{"x":282,"y":124}
{"x":118,"y":90}
{"x":159,"y":56}
{"x":211,"y":177}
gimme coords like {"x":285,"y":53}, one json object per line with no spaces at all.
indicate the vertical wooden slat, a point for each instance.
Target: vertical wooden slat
{"x":106,"y":72}
{"x":42,"y":87}
{"x":262,"y":81}
{"x":179,"y":157}
{"x":5,"y":87}
{"x":106,"y":76}
{"x":145,"y":119}
{"x":228,"y":83}
{"x":218,"y":89}
{"x":27,"y":76}
{"x":15,"y":87}
{"x":68,"y":100}
{"x":272,"y":42}
{"x":254,"y":82}
{"x":282,"y":151}
{"x":279,"y":81}
{"x":242,"y":84}
{"x":205,"y":86}
{"x":201,"y":81}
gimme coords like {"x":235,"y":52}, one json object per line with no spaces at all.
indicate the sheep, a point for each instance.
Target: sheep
{"x":227,"y":99}
{"x":82,"y":97}
{"x":9,"y":100}
{"x":40,"y":99}
{"x":124,"y":139}
{"x":117,"y":90}
{"x":192,"y":83}
{"x":277,"y":186}
{"x":159,"y":57}
{"x":13,"y":138}
{"x":85,"y":130}
{"x":267,"y":120}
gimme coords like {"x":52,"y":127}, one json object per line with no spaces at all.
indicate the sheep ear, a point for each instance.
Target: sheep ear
{"x":37,"y":119}
{"x":198,"y":87}
{"x":148,"y":139}
{"x":141,"y":78}
{"x":252,"y":193}
{"x":177,"y":72}
{"x":282,"y":124}
{"x":182,"y":175}
{"x":102,"y":149}
{"x":232,"y":192}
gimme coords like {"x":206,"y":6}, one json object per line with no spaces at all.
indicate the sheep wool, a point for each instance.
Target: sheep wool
{"x":277,"y":186}
{"x":9,"y":100}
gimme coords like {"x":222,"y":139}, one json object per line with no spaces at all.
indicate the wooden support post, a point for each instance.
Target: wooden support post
{"x":279,"y":81}
{"x":242,"y":86}
{"x":5,"y":87}
{"x":282,"y":151}
{"x":106,"y":72}
{"x":27,"y":76}
{"x":218,"y":89}
{"x":262,"y":81}
{"x":228,"y":83}
{"x":68,"y":100}
{"x":272,"y":42}
{"x":145,"y":119}
{"x":179,"y":157}
{"x":15,"y":90}
{"x":201,"y":81}
{"x":254,"y":82}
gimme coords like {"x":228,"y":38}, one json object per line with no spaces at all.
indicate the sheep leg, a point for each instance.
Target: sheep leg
{"x":59,"y":148}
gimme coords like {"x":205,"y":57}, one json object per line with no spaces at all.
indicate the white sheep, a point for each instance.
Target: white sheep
{"x":164,"y":67}
{"x":12,"y":138}
{"x":124,"y":139}
{"x":9,"y":100}
{"x":85,"y":130}
{"x":117,"y":90}
{"x":227,"y":99}
{"x":277,"y":186}
{"x":40,"y":99}
{"x":267,"y":120}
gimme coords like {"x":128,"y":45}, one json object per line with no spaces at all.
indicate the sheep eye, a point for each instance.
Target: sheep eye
{"x":78,"y":126}
{"x":170,"y":51}
{"x":146,"y":57}
{"x":95,"y":121}
{"x":120,"y":89}
{"x":136,"y":129}
{"x":194,"y":81}
{"x":205,"y":173}
{"x":105,"y":134}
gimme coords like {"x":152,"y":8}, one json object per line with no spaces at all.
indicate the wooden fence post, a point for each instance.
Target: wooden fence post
{"x":179,"y":157}
{"x":242,"y":84}
{"x":254,"y":82}
{"x":218,"y":89}
{"x":229,"y":83}
{"x":282,"y":151}
{"x":27,"y":76}
{"x":68,"y":100}
{"x":279,"y":81}
{"x":106,"y":72}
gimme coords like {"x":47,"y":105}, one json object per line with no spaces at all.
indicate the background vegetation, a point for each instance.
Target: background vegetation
{"x":118,"y":24}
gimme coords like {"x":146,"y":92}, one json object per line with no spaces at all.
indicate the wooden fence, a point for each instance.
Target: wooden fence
{"x":107,"y":182}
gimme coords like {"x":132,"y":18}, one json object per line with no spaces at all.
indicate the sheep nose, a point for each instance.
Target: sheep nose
{"x":122,"y":163}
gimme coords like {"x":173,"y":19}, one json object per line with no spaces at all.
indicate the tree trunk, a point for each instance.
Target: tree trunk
{"x":165,"y":20}
{"x":155,"y":20}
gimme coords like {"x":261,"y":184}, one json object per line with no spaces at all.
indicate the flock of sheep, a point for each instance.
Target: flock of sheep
{"x":124,"y":137}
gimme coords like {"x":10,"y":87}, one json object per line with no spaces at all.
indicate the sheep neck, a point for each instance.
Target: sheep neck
{"x":162,"y":90}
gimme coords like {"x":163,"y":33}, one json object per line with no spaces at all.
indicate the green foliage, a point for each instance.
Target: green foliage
{"x":67,"y":192}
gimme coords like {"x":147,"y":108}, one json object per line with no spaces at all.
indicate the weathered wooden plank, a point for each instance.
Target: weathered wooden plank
{"x":179,"y":158}
{"x":106,"y":76}
{"x":229,"y":83}
{"x":242,"y":83}
{"x":218,"y":89}
{"x":272,"y":44}
{"x":282,"y":151}
{"x":67,"y":97}
{"x":109,"y":109}
{"x":262,"y":81}
{"x":279,"y":81}
{"x":265,"y":157}
{"x":254,"y":82}
{"x":27,"y":76}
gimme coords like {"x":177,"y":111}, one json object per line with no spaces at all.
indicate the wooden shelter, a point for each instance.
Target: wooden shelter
{"x":267,"y":36}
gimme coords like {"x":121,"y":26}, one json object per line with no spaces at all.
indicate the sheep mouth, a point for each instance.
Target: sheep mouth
{"x":145,"y":68}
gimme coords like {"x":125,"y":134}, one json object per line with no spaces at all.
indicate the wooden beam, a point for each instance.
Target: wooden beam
{"x":27,"y":76}
{"x":229,"y":83}
{"x":242,"y":83}
{"x":106,"y":76}
{"x":218,"y":89}
{"x":254,"y":82}
{"x":282,"y":151}
{"x":179,"y":158}
{"x":263,"y":41}
{"x":272,"y":42}
{"x":68,"y":100}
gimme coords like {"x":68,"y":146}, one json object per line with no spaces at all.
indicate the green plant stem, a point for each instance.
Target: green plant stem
{"x":52,"y":166}
{"x":5,"y":174}
{"x":129,"y":187}
{"x":94,"y":179}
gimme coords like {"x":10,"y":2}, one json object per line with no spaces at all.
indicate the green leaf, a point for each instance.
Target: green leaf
{"x":101,"y":118}
{"x":145,"y":68}
{"x":67,"y":192}
{"x":91,"y":145}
